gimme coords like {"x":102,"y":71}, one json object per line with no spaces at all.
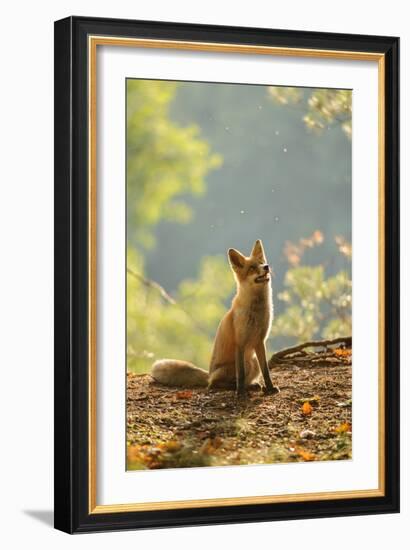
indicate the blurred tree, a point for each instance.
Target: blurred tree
{"x":181,"y":327}
{"x":316,"y":304}
{"x":164,"y":160}
{"x":322,"y":107}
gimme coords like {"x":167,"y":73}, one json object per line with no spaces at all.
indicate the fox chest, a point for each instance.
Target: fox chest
{"x":252,"y":323}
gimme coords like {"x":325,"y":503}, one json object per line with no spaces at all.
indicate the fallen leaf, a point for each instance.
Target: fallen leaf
{"x":343,"y":428}
{"x":342,"y":352}
{"x":306,"y":455}
{"x":184,"y":394}
{"x":307,"y":409}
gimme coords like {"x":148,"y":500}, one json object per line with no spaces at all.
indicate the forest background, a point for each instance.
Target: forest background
{"x":214,"y":166}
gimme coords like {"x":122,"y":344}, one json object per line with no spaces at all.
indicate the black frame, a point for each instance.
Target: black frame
{"x":71,"y":275}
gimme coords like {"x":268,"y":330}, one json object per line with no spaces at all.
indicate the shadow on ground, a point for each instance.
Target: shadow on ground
{"x":43,"y":516}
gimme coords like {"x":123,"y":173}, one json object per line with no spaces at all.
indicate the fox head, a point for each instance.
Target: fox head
{"x":253,"y":270}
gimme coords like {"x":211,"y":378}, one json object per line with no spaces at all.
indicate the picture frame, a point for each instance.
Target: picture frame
{"x":77,"y":40}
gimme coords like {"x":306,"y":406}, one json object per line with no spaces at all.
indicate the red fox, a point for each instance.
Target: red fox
{"x":239,"y":354}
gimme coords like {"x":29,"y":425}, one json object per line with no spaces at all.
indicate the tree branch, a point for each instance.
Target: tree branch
{"x":288,"y":354}
{"x":167,"y":297}
{"x":153,"y":284}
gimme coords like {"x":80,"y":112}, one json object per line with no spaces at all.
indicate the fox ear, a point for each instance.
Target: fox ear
{"x":236,"y":259}
{"x":257,"y":252}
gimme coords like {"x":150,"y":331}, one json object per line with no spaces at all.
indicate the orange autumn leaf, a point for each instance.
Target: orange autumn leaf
{"x":341,"y":352}
{"x":184,"y":394}
{"x":306,"y":455}
{"x":343,"y":428}
{"x":307,"y":408}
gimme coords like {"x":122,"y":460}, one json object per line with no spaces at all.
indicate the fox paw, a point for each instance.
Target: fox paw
{"x":271,"y":391}
{"x":241,"y":394}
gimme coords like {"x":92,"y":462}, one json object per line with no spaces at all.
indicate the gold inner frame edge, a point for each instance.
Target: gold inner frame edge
{"x":93,"y":42}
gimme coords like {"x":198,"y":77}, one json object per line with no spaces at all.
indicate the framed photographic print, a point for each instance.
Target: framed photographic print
{"x":226,"y":274}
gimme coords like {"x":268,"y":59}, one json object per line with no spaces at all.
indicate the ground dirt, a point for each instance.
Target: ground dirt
{"x":310,"y":419}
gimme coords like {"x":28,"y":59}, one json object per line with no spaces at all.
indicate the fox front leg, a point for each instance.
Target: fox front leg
{"x":240,"y":371}
{"x":261,"y":354}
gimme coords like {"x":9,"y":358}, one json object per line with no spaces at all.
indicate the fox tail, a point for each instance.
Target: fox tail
{"x":171,"y":372}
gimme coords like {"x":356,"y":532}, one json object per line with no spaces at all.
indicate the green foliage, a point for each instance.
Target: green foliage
{"x":164,"y":161}
{"x":286,"y":95}
{"x":322,"y":107}
{"x":181,"y":328}
{"x":330,"y":107}
{"x":316,"y":305}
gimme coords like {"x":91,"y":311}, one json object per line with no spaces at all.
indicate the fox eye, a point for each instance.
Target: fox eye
{"x":252,"y":268}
